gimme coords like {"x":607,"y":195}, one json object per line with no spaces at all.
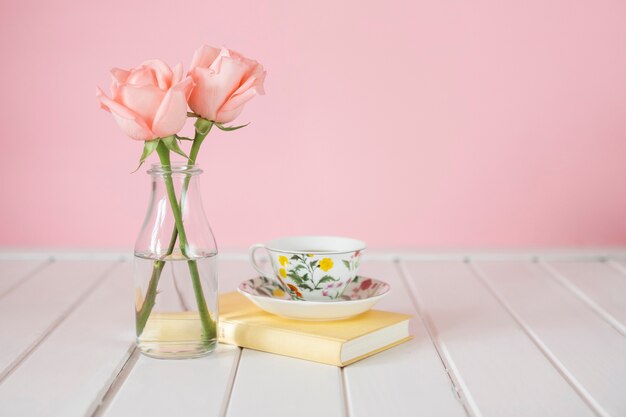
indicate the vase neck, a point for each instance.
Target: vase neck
{"x":175,"y":169}
{"x":176,"y":184}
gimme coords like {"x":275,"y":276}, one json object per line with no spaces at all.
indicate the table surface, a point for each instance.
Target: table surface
{"x":495,"y":334}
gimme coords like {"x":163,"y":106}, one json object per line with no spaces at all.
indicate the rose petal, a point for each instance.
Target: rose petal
{"x":239,"y":98}
{"x":228,"y":115}
{"x":255,"y":79}
{"x":234,"y":54}
{"x":143,"y":100}
{"x":217,"y":62}
{"x":162,"y":72}
{"x":198,"y":101}
{"x":172,"y":113}
{"x":204,"y":56}
{"x":134,"y":129}
{"x":120,"y":75}
{"x":130,"y":123}
{"x":213,"y":89}
{"x":259,"y":79}
{"x":250,"y":88}
{"x":237,"y":101}
{"x":141,"y":76}
{"x":110,"y":105}
{"x":177,"y":72}
{"x":115,"y":86}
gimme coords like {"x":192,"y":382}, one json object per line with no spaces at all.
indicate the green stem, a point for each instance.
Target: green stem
{"x":208,"y":324}
{"x":151,"y":293}
{"x":311,"y":270}
{"x":146,"y":309}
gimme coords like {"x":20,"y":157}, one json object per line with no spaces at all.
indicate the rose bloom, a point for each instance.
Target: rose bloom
{"x":149,"y":101}
{"x":225,"y":81}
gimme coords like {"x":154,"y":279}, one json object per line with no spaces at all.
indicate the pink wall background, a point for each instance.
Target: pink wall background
{"x":409,"y":124}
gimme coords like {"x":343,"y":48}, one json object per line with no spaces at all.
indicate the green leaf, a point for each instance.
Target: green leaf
{"x":293,"y":274}
{"x":172,"y":145}
{"x":295,"y":278}
{"x":294,"y":257}
{"x":148,"y":147}
{"x":306,"y":286}
{"x":326,"y":278}
{"x":346,"y":263}
{"x":229,"y":128}
{"x":314,"y":264}
{"x":203,"y":126}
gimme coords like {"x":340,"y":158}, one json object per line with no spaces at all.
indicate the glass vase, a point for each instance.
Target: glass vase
{"x":175,"y":272}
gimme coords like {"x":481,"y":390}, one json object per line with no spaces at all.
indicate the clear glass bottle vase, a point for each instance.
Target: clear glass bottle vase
{"x":175,"y":269}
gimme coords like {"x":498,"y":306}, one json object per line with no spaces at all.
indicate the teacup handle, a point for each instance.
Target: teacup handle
{"x":256,"y":266}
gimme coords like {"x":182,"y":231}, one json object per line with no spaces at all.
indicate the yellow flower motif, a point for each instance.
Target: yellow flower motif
{"x":282,"y":272}
{"x":283,"y":260}
{"x":278,"y":292}
{"x":326,"y":264}
{"x":310,"y":255}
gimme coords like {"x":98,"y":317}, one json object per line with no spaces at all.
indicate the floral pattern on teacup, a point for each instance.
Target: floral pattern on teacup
{"x":315,"y":273}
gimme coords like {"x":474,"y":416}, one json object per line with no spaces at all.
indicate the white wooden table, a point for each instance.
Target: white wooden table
{"x":496,"y":334}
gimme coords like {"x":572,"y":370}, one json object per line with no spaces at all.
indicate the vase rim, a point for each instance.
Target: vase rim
{"x":175,"y":168}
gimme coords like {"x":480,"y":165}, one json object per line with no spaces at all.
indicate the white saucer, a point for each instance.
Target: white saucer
{"x":359,"y":296}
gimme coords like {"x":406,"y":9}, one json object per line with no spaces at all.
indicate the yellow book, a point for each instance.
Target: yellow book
{"x":338,"y":343}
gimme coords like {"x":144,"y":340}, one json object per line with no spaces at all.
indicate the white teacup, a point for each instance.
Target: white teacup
{"x":312,"y":268}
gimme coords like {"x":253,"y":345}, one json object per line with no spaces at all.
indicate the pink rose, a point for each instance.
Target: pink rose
{"x":149,"y":101}
{"x":225,"y":81}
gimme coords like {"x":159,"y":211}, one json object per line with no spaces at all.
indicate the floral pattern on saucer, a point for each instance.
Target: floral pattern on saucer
{"x":359,"y":289}
{"x":265,"y":287}
{"x":357,"y":297}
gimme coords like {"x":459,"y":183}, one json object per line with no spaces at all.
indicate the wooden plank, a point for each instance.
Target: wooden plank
{"x":35,"y":308}
{"x":89,"y":255}
{"x":408,"y":380}
{"x":194,"y":387}
{"x":249,"y":398}
{"x":526,"y":254}
{"x":584,"y":347}
{"x":499,"y":370}
{"x":198,"y":387}
{"x":598,"y":284}
{"x":277,"y":386}
{"x":15,"y":272}
{"x":72,"y":368}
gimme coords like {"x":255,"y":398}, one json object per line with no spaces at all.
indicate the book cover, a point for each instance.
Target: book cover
{"x":338,"y":343}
